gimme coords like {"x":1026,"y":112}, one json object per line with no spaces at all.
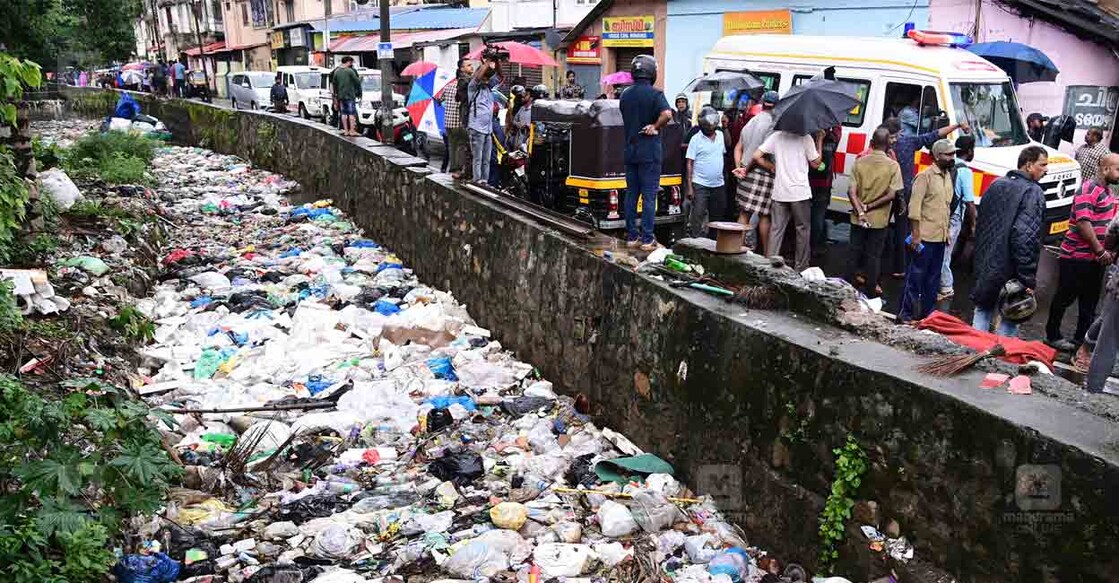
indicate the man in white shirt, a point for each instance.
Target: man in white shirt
{"x":792,"y":196}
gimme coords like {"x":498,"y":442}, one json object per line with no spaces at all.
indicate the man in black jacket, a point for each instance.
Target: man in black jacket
{"x":1008,"y":236}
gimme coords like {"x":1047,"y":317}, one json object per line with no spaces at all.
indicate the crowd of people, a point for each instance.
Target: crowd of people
{"x":487,"y":114}
{"x":903,"y":222}
{"x":168,"y":79}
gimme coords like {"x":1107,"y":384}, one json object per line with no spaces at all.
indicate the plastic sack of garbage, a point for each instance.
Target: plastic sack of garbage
{"x":487,"y":554}
{"x":615,"y":519}
{"x":653,"y":512}
{"x":733,"y":562}
{"x":335,"y":542}
{"x":150,"y":568}
{"x":58,"y":186}
{"x":563,"y":560}
{"x":510,"y":515}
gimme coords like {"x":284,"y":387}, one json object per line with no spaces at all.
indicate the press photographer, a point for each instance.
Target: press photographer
{"x":479,"y":96}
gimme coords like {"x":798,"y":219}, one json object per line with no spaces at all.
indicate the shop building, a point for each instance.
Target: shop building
{"x":607,"y":39}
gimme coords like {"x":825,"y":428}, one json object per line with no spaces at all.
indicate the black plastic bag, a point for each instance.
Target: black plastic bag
{"x":438,"y":419}
{"x":460,"y":468}
{"x":521,"y":405}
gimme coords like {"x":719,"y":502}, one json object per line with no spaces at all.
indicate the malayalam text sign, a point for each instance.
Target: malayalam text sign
{"x":758,"y":22}
{"x":628,"y":31}
{"x":585,"y":51}
{"x":277,"y":39}
{"x":1091,"y":105}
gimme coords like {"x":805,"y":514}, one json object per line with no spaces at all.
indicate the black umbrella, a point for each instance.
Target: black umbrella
{"x":814,"y":105}
{"x":721,"y":81}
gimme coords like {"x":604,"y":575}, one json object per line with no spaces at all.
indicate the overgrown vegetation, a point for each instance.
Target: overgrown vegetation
{"x":850,"y":465}
{"x":115,"y":157}
{"x":73,"y":467}
{"x":133,"y":325}
{"x":10,"y":316}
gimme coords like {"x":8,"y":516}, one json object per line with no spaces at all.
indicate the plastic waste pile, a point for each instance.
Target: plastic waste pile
{"x":340,"y":421}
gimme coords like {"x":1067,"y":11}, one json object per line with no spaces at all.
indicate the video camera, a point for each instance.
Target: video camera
{"x":495,"y":53}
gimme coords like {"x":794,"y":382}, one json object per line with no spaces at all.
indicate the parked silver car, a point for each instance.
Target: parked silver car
{"x":251,"y":89}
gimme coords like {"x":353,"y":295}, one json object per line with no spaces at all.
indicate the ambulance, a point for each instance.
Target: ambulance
{"x":935,"y":83}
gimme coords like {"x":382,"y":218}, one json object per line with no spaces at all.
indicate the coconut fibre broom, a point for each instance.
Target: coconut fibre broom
{"x":947,"y":366}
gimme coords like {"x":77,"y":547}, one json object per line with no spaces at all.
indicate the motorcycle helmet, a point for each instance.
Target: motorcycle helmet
{"x":644,"y":67}
{"x":708,"y":119}
{"x":1016,"y":303}
{"x":539,"y":91}
{"x":516,"y":91}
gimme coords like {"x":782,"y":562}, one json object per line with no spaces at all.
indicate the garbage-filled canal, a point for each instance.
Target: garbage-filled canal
{"x":338,"y":420}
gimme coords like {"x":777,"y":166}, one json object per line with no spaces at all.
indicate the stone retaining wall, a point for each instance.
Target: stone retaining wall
{"x":746,"y":404}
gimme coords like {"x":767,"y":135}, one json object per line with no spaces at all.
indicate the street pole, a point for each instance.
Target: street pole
{"x":386,"y":86}
{"x":327,"y":10}
{"x":198,"y":35}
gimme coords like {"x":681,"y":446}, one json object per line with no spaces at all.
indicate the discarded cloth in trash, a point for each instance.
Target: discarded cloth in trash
{"x":623,"y":469}
{"x":150,"y":568}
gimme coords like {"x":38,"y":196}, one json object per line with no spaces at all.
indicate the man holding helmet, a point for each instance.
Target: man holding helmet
{"x":705,"y":181}
{"x":644,"y":112}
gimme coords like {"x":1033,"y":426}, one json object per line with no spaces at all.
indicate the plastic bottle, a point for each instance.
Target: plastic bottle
{"x":676,"y":263}
{"x":733,"y":562}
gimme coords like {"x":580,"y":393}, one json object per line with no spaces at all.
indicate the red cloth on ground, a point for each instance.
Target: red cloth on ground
{"x":1017,"y":351}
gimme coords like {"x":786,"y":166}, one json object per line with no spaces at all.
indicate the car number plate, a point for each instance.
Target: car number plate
{"x":1058,"y":227}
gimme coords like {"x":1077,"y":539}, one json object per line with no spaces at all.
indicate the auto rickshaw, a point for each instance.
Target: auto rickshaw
{"x":196,"y":86}
{"x":575,"y":166}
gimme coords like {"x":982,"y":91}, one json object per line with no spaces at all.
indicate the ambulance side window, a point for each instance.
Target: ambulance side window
{"x":861,"y":89}
{"x":930,"y":110}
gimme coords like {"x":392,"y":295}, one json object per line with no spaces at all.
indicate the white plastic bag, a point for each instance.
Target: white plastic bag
{"x":653,"y":512}
{"x":563,"y":560}
{"x":58,"y":186}
{"x":615,"y":520}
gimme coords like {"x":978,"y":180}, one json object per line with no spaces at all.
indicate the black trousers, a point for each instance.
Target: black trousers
{"x":1078,"y":280}
{"x":866,"y":253}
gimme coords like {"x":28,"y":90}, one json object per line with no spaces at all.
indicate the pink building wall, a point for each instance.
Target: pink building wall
{"x":1081,"y":62}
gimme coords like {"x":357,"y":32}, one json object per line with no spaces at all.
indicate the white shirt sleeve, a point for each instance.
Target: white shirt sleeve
{"x":810,"y":148}
{"x":693,"y":147}
{"x":767,"y":145}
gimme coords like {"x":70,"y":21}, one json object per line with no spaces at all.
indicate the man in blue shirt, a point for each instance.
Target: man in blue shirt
{"x":705,"y":155}
{"x":905,"y":149}
{"x":479,"y":111}
{"x":644,"y":112}
{"x":961,"y":210}
{"x":180,"y":78}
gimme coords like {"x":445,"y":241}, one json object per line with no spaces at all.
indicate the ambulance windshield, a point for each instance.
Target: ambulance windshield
{"x":992,"y":111}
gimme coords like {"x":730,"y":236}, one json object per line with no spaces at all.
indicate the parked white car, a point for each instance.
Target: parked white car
{"x":303,"y":83}
{"x":251,"y":90}
{"x":370,"y":104}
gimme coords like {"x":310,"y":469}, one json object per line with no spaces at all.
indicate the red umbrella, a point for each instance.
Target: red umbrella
{"x":521,"y":54}
{"x":419,"y":69}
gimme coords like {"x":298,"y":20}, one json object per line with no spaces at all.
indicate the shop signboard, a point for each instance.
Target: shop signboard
{"x":585,"y":51}
{"x":758,"y":22}
{"x":1091,"y":105}
{"x":628,"y":31}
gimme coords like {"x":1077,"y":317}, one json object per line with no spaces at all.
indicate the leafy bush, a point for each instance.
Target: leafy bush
{"x":73,"y":467}
{"x":47,"y":154}
{"x":123,"y":169}
{"x":10,"y":316}
{"x":13,"y":199}
{"x":99,"y":146}
{"x":133,"y":325}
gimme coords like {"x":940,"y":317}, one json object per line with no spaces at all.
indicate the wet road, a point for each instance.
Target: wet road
{"x":834,"y":262}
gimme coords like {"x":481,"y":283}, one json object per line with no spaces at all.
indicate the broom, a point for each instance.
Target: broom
{"x":947,"y":366}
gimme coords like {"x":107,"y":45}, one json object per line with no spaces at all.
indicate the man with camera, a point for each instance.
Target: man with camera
{"x":479,"y":124}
